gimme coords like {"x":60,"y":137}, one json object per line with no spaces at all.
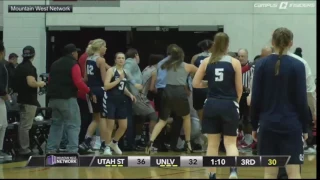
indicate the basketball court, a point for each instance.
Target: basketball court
{"x":19,"y":171}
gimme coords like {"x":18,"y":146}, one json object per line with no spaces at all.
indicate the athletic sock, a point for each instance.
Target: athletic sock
{"x":212,"y":175}
{"x":233,"y":170}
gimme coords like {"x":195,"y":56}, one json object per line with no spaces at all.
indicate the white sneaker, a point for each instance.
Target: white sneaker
{"x":5,"y":156}
{"x":107,"y":151}
{"x":310,"y":150}
{"x":233,"y":175}
{"x":115,"y":147}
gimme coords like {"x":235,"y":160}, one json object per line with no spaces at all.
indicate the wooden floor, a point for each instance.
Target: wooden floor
{"x":18,"y":170}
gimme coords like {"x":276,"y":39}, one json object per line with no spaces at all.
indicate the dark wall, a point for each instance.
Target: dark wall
{"x":145,"y":42}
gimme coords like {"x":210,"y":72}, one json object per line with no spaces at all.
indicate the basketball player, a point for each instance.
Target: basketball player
{"x":174,"y":96}
{"x":200,"y":95}
{"x":95,"y":74}
{"x":221,"y":109}
{"x":279,"y":109}
{"x":116,"y":109}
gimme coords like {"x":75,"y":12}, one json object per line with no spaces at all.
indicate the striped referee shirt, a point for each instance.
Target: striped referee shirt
{"x":246,"y":78}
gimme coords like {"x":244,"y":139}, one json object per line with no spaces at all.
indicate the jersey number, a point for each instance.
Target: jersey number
{"x":121,"y":85}
{"x":219,"y":74}
{"x":90,"y":70}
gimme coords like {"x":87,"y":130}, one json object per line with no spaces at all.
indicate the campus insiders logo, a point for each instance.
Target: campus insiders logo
{"x":62,"y":160}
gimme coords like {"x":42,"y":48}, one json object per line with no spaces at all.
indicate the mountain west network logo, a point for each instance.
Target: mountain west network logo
{"x":285,"y":5}
{"x":62,"y":160}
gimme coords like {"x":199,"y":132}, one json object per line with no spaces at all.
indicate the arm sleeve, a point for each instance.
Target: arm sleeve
{"x":3,"y":85}
{"x":311,"y":90}
{"x":77,"y":79}
{"x":301,"y":97}
{"x":256,"y":97}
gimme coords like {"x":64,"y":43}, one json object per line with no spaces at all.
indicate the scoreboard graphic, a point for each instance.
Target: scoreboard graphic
{"x":72,"y":160}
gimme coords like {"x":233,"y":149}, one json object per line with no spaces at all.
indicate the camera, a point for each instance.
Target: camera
{"x":45,"y":78}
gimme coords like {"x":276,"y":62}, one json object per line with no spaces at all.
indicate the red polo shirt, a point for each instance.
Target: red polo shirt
{"x":82,"y":63}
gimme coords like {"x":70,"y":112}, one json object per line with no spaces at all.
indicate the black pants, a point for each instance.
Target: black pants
{"x":244,"y":110}
{"x":86,"y":118}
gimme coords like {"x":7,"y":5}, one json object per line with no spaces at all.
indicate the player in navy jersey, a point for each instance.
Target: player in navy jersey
{"x":116,"y":109}
{"x":221,"y":109}
{"x":279,"y":109}
{"x":95,"y":74}
{"x":200,"y":94}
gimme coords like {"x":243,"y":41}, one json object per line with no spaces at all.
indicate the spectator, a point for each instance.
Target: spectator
{"x":64,"y":83}
{"x":11,"y":66}
{"x":4,"y":96}
{"x":26,"y":86}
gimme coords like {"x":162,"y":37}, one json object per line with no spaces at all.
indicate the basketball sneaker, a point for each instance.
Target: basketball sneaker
{"x":107,"y":151}
{"x":96,"y":143}
{"x":310,"y":150}
{"x":115,"y":148}
{"x":233,"y":173}
{"x":86,"y":145}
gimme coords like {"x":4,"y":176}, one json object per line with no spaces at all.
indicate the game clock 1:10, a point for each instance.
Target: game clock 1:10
{"x":210,"y":161}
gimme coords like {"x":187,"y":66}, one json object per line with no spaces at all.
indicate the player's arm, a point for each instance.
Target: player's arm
{"x":256,"y":97}
{"x":301,"y":96}
{"x":250,"y":85}
{"x":153,"y":81}
{"x":238,"y":77}
{"x":311,"y":91}
{"x":107,"y":84}
{"x":107,"y":66}
{"x":85,"y":76}
{"x":197,"y":81}
{"x":101,"y":63}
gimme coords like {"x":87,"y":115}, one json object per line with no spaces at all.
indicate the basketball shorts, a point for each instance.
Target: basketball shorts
{"x":220,"y":116}
{"x":99,"y":93}
{"x":116,"y":108}
{"x":143,"y":107}
{"x":174,"y":99}
{"x":272,"y":143}
{"x":199,"y":96}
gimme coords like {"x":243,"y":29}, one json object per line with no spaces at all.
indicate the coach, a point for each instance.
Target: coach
{"x":64,"y":83}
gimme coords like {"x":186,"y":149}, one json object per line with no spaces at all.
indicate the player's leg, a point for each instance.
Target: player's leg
{"x":121,"y":117}
{"x":268,"y":143}
{"x":292,"y":145}
{"x":111,"y":116}
{"x":211,"y":125}
{"x":230,"y":119}
{"x":163,"y":116}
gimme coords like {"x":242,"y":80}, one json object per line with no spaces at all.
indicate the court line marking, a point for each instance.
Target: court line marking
{"x":170,"y":174}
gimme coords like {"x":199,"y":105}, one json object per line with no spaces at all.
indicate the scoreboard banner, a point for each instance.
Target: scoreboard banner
{"x":74,"y":160}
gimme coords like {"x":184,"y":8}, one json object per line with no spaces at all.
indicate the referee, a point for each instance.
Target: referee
{"x":244,"y":108}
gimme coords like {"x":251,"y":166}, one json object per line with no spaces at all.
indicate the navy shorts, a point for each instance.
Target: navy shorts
{"x":272,"y":143}
{"x":116,"y":108}
{"x":199,"y":96}
{"x":99,"y":93}
{"x":220,"y":116}
{"x":174,"y":99}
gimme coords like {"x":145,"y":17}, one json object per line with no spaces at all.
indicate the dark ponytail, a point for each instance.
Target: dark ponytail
{"x":175,"y":59}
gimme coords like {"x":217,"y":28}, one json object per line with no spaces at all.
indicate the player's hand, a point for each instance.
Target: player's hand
{"x":121,"y":77}
{"x":133,"y":98}
{"x":255,"y":136}
{"x":305,"y":136}
{"x":42,"y":83}
{"x":94,"y":98}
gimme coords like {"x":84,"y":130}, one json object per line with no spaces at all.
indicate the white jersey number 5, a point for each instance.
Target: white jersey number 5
{"x":219,"y":74}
